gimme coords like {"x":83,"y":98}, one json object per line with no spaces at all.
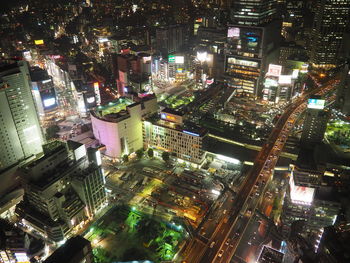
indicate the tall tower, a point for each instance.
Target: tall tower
{"x":252,"y":43}
{"x":20,"y":131}
{"x":315,"y":122}
{"x":331,"y":20}
{"x":253,"y":12}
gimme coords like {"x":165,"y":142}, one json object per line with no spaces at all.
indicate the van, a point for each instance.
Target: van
{"x":212,"y":244}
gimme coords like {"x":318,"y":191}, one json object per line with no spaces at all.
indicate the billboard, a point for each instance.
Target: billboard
{"x":244,"y":39}
{"x":274,"y":70}
{"x":295,"y":73}
{"x":97,"y":93}
{"x":233,"y":32}
{"x":316,"y":104}
{"x":39,"y":42}
{"x":270,"y":83}
{"x":300,"y":194}
{"x":285,"y":79}
{"x":242,"y":62}
{"x":49,"y":102}
{"x":170,"y":117}
{"x":176,"y":59}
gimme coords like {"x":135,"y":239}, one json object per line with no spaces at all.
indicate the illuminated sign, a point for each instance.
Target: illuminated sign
{"x":21,"y":257}
{"x":176,"y":59}
{"x":98,"y":158}
{"x":179,"y":59}
{"x":301,"y":194}
{"x":49,"y":102}
{"x":285,"y":79}
{"x":171,"y":59}
{"x":103,"y":39}
{"x":27,"y":55}
{"x":316,"y":104}
{"x":97,"y":93}
{"x":39,"y":42}
{"x":168,"y":117}
{"x":242,"y":62}
{"x":90,"y":100}
{"x":295,"y":73}
{"x":233,"y":32}
{"x":190,"y":133}
{"x":304,"y":68}
{"x":274,"y":70}
{"x":270,"y":83}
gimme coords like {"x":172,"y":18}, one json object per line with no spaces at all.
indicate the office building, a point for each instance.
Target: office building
{"x":171,"y":39}
{"x":54,"y":203}
{"x":270,"y":255}
{"x":76,"y":250}
{"x":44,"y":93}
{"x":343,"y":92}
{"x":309,"y":199}
{"x":252,"y":44}
{"x":118,"y":125}
{"x":16,"y":246}
{"x":315,"y":122}
{"x":90,"y":185}
{"x":330,"y":22}
{"x":20,"y":131}
{"x":252,"y":12}
{"x":171,"y":133}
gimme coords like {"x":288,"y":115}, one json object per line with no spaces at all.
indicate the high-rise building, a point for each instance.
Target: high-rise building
{"x":315,"y":122}
{"x":343,"y":92}
{"x":252,"y":12}
{"x":171,"y":133}
{"x":20,"y":132}
{"x":330,"y":22}
{"x":252,"y":44}
{"x":62,"y":189}
{"x":250,"y":49}
{"x":90,"y":185}
{"x":76,"y":249}
{"x":171,"y":39}
{"x":118,"y":124}
{"x":44,"y":93}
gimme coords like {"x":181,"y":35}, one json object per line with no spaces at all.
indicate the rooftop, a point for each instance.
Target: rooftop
{"x":65,"y":253}
{"x":113,"y":107}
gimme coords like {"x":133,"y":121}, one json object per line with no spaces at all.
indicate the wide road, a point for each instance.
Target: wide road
{"x":224,"y":242}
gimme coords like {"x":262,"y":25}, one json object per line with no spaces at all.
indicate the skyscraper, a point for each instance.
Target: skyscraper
{"x":315,"y":122}
{"x":252,"y":12}
{"x":20,"y":131}
{"x":252,"y":43}
{"x":331,"y":20}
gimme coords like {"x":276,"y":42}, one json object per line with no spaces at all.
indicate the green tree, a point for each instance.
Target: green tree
{"x":165,"y":156}
{"x":139,"y":153}
{"x":150,"y":153}
{"x":51,"y":132}
{"x":125,"y":158}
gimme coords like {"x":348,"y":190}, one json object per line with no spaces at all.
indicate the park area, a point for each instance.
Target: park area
{"x":338,"y":132}
{"x":126,"y":234}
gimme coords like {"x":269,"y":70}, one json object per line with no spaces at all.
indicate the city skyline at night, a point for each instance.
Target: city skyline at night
{"x":186,"y":131}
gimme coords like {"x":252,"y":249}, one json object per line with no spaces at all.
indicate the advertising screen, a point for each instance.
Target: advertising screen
{"x":316,"y":104}
{"x":274,"y":70}
{"x":39,"y":42}
{"x":285,"y":79}
{"x":270,"y":83}
{"x":97,"y":93}
{"x":241,"y":62}
{"x":179,"y":59}
{"x":233,"y":32}
{"x":90,"y":100}
{"x":49,"y":102}
{"x":244,"y":39}
{"x":48,"y":98}
{"x":301,"y":194}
